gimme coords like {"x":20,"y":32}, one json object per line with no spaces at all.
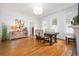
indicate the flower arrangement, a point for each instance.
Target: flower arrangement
{"x":19,"y":24}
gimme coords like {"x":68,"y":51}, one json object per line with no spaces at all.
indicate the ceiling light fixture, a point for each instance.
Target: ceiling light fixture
{"x":37,"y":9}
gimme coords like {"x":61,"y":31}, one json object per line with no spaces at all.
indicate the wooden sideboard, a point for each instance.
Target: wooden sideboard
{"x":17,"y":34}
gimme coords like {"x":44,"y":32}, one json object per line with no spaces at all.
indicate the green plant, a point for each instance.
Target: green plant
{"x":4,"y":32}
{"x":74,"y":20}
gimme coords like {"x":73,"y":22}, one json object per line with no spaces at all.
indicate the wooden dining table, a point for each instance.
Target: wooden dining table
{"x":51,"y":35}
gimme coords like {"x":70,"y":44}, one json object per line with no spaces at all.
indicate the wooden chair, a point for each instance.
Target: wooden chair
{"x":42,"y":38}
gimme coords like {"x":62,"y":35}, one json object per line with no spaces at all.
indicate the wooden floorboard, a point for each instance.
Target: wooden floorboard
{"x":31,"y":47}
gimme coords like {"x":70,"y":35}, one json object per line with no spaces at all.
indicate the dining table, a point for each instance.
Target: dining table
{"x":51,"y":36}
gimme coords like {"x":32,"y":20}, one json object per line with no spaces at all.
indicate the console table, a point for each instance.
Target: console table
{"x":17,"y":34}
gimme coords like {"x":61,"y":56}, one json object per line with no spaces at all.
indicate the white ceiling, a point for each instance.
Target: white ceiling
{"x":26,"y":8}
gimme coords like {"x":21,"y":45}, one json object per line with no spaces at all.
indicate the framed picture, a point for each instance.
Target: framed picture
{"x":54,"y":21}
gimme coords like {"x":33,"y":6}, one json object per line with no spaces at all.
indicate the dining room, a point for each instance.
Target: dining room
{"x":33,"y":29}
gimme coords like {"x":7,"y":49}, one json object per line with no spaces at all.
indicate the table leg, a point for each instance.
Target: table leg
{"x":50,"y":41}
{"x":55,"y":38}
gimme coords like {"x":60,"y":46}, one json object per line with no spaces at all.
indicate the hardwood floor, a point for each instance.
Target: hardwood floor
{"x":31,"y":47}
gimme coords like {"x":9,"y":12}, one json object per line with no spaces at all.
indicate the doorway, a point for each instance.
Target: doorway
{"x":31,"y":29}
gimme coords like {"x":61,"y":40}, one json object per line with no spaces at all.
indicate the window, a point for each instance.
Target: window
{"x":54,"y":21}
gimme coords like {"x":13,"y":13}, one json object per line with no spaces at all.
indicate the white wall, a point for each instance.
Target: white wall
{"x":8,"y":17}
{"x":61,"y":17}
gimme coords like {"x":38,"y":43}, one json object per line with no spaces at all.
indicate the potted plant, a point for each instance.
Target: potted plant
{"x":4,"y":32}
{"x":74,"y":21}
